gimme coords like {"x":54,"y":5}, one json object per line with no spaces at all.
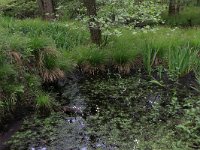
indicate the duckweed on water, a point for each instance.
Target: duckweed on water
{"x":132,"y":113}
{"x":122,"y":113}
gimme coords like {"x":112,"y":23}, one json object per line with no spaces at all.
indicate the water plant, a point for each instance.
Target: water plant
{"x":149,"y":59}
{"x":182,"y":60}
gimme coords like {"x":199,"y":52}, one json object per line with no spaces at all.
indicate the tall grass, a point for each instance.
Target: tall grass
{"x":149,"y":58}
{"x":176,"y":47}
{"x":153,"y":46}
{"x":182,"y":60}
{"x":172,"y":48}
{"x":65,"y":35}
{"x":122,"y":52}
{"x":91,"y":59}
{"x":123,"y":49}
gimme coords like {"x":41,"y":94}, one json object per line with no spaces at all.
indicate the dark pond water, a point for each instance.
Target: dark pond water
{"x":120,"y":113}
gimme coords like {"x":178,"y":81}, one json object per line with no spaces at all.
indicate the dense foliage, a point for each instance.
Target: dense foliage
{"x":20,"y":8}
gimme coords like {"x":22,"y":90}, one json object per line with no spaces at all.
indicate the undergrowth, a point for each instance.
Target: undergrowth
{"x":187,"y":17}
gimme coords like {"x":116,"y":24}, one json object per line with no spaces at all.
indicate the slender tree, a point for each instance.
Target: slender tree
{"x":172,"y":7}
{"x":178,"y":6}
{"x":47,"y":9}
{"x":94,"y":27}
{"x":198,"y":2}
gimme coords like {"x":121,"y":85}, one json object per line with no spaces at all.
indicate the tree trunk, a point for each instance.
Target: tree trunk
{"x":172,"y":7}
{"x":178,"y":7}
{"x":47,"y":9}
{"x":198,"y":2}
{"x":94,"y":27}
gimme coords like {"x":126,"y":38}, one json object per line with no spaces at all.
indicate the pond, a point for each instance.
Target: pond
{"x":113,"y":113}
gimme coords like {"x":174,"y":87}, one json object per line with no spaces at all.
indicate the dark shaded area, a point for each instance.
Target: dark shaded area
{"x":5,"y":136}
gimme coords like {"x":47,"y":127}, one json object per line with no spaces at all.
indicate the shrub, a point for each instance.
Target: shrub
{"x":20,"y":8}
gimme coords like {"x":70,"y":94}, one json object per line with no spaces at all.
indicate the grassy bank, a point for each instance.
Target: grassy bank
{"x":33,"y":52}
{"x":172,"y":49}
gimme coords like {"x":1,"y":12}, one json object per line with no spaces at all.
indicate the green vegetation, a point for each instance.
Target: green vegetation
{"x":41,"y":51}
{"x":19,"y":9}
{"x":126,"y":117}
{"x":4,"y":2}
{"x":44,"y":104}
{"x":46,"y":44}
{"x":129,"y":112}
{"x":187,"y":17}
{"x":44,"y":133}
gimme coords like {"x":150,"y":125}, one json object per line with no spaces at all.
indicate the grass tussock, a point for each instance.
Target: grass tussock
{"x":90,"y":59}
{"x":44,"y":104}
